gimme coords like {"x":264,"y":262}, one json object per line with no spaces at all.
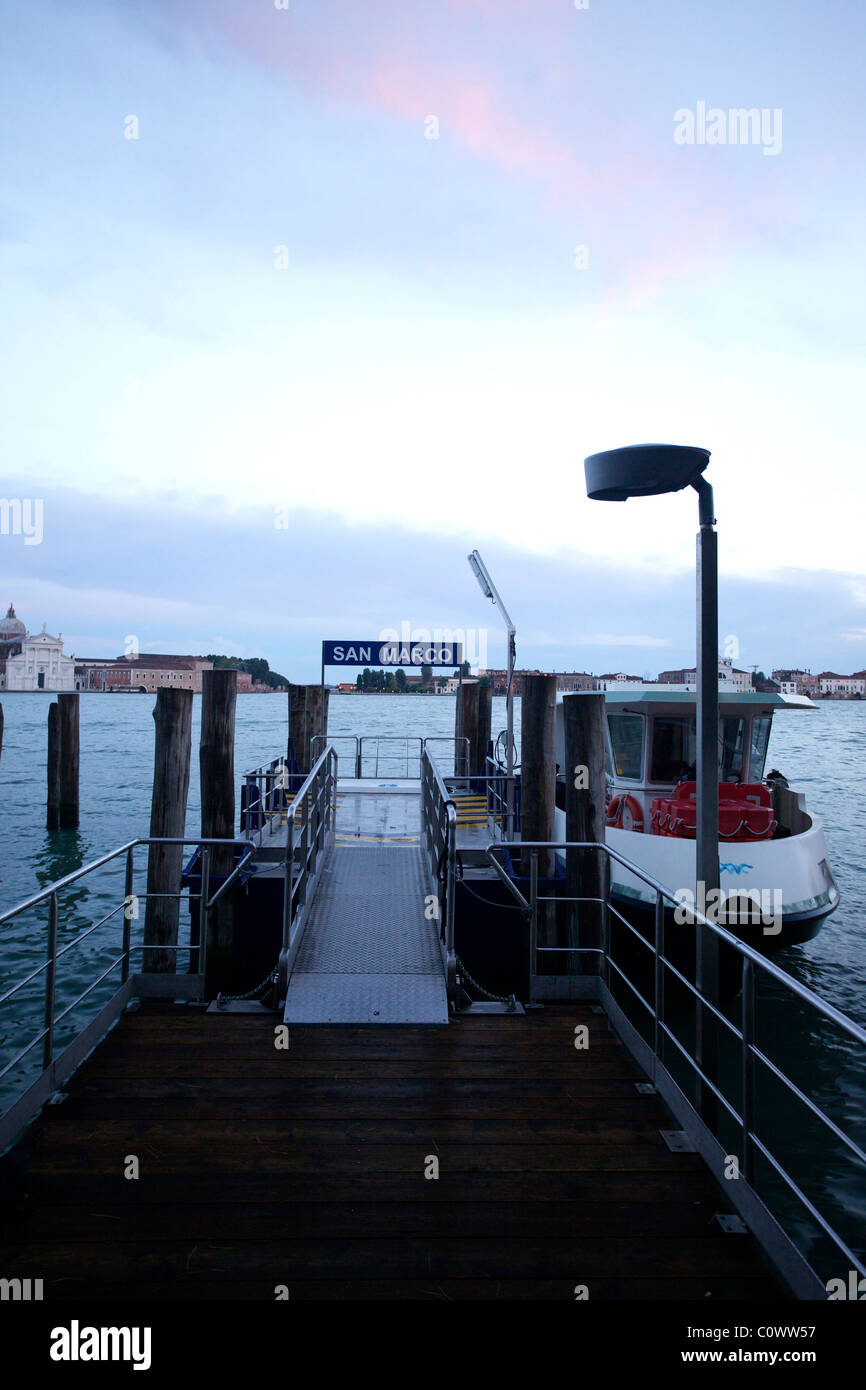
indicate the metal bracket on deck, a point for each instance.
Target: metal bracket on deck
{"x":731,"y":1224}
{"x":678,"y":1141}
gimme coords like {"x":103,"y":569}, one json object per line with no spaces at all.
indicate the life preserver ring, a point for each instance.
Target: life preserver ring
{"x":623,"y":806}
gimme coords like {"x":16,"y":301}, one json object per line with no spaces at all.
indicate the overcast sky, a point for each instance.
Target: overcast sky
{"x":399,"y":267}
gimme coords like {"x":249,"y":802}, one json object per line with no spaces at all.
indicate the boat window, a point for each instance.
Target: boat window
{"x":626,"y":737}
{"x":760,"y":739}
{"x":733,"y":750}
{"x":674,"y":752}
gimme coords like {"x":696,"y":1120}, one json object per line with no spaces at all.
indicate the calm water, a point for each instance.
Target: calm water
{"x":822,"y":752}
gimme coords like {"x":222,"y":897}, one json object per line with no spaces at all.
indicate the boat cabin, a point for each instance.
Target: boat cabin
{"x":651,"y":760}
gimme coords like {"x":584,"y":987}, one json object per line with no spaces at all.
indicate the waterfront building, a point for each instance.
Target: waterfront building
{"x":32,"y":662}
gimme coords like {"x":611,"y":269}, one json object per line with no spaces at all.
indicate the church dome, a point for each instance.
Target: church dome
{"x":11,"y":627}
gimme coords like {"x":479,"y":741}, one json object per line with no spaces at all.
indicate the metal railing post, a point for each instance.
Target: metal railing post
{"x":659,"y":994}
{"x":203,"y":910}
{"x":288,"y":899}
{"x":533,"y":916}
{"x":50,"y":984}
{"x":748,"y":1071}
{"x":127,"y":913}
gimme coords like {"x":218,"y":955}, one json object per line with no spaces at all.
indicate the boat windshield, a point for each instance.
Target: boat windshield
{"x":674,"y":748}
{"x":733,"y":750}
{"x":626,"y":739}
{"x":760,"y":739}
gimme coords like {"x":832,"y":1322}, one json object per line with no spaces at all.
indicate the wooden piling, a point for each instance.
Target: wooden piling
{"x":472,"y":719}
{"x":68,"y":725}
{"x":297,"y":718}
{"x":52,"y":804}
{"x":538,"y":767}
{"x":173,"y":736}
{"x":485,"y":724}
{"x":1,"y":731}
{"x":217,"y":767}
{"x":583,"y":730}
{"x":466,"y":727}
{"x":306,"y":720}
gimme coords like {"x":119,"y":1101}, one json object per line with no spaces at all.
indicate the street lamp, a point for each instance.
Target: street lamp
{"x":488,"y":589}
{"x":645,"y":470}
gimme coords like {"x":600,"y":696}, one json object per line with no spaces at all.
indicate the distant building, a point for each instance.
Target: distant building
{"x":831,"y":683}
{"x":565,"y":680}
{"x":795,"y":682}
{"x":730,"y":677}
{"x":147,"y":673}
{"x":32,"y":663}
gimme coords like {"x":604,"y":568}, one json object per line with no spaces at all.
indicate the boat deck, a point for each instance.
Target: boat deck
{"x":305,"y":1168}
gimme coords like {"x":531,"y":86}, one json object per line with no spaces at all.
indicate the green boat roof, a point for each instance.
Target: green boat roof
{"x":726,"y":697}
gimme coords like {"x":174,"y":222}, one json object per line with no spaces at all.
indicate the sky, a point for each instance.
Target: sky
{"x":302,"y":303}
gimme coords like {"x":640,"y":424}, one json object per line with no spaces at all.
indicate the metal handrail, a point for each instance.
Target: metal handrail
{"x":750,"y":1053}
{"x":315,"y":809}
{"x":18,"y":1113}
{"x":405,"y":739}
{"x":460,"y":742}
{"x":439,"y":841}
{"x":319,"y":742}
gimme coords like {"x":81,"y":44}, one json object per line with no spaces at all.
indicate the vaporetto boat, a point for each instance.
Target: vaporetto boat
{"x":772,"y":850}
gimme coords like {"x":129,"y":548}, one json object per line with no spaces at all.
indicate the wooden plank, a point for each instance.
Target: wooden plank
{"x":636,"y":1157}
{"x":193,"y":1288}
{"x":69,"y":1134}
{"x":174,"y":1188}
{"x":268,"y":1221}
{"x":288,"y":1066}
{"x":572,"y":1258}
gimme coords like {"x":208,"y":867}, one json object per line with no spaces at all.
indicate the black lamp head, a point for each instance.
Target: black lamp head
{"x":643,"y":470}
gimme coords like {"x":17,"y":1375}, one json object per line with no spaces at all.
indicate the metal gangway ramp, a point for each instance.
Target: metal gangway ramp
{"x":365,"y":937}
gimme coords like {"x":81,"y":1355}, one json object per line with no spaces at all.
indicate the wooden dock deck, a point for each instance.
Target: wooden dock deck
{"x":305,"y":1168}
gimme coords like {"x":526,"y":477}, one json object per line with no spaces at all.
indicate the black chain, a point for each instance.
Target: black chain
{"x":271,"y":978}
{"x":508,"y":999}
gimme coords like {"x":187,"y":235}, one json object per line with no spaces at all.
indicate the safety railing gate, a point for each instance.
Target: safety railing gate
{"x":759,"y":1112}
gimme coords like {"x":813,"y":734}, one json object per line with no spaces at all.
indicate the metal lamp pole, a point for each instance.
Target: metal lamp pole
{"x":646,"y":470}
{"x":488,"y":589}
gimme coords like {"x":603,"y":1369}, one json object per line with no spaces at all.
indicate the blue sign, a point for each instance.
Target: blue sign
{"x":378,"y":653}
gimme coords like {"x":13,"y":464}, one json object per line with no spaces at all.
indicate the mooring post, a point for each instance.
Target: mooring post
{"x":217,"y":767}
{"x":297,"y":717}
{"x":538,"y":766}
{"x":485,"y":725}
{"x":52,"y":805}
{"x":1,"y":731}
{"x":538,"y":797}
{"x":172,"y":740}
{"x":583,"y":729}
{"x":466,"y":727}
{"x":69,"y":760}
{"x":308,"y":716}
{"x":315,"y":723}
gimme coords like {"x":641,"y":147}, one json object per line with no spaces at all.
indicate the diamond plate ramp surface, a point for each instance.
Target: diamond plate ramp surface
{"x":368,"y":953}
